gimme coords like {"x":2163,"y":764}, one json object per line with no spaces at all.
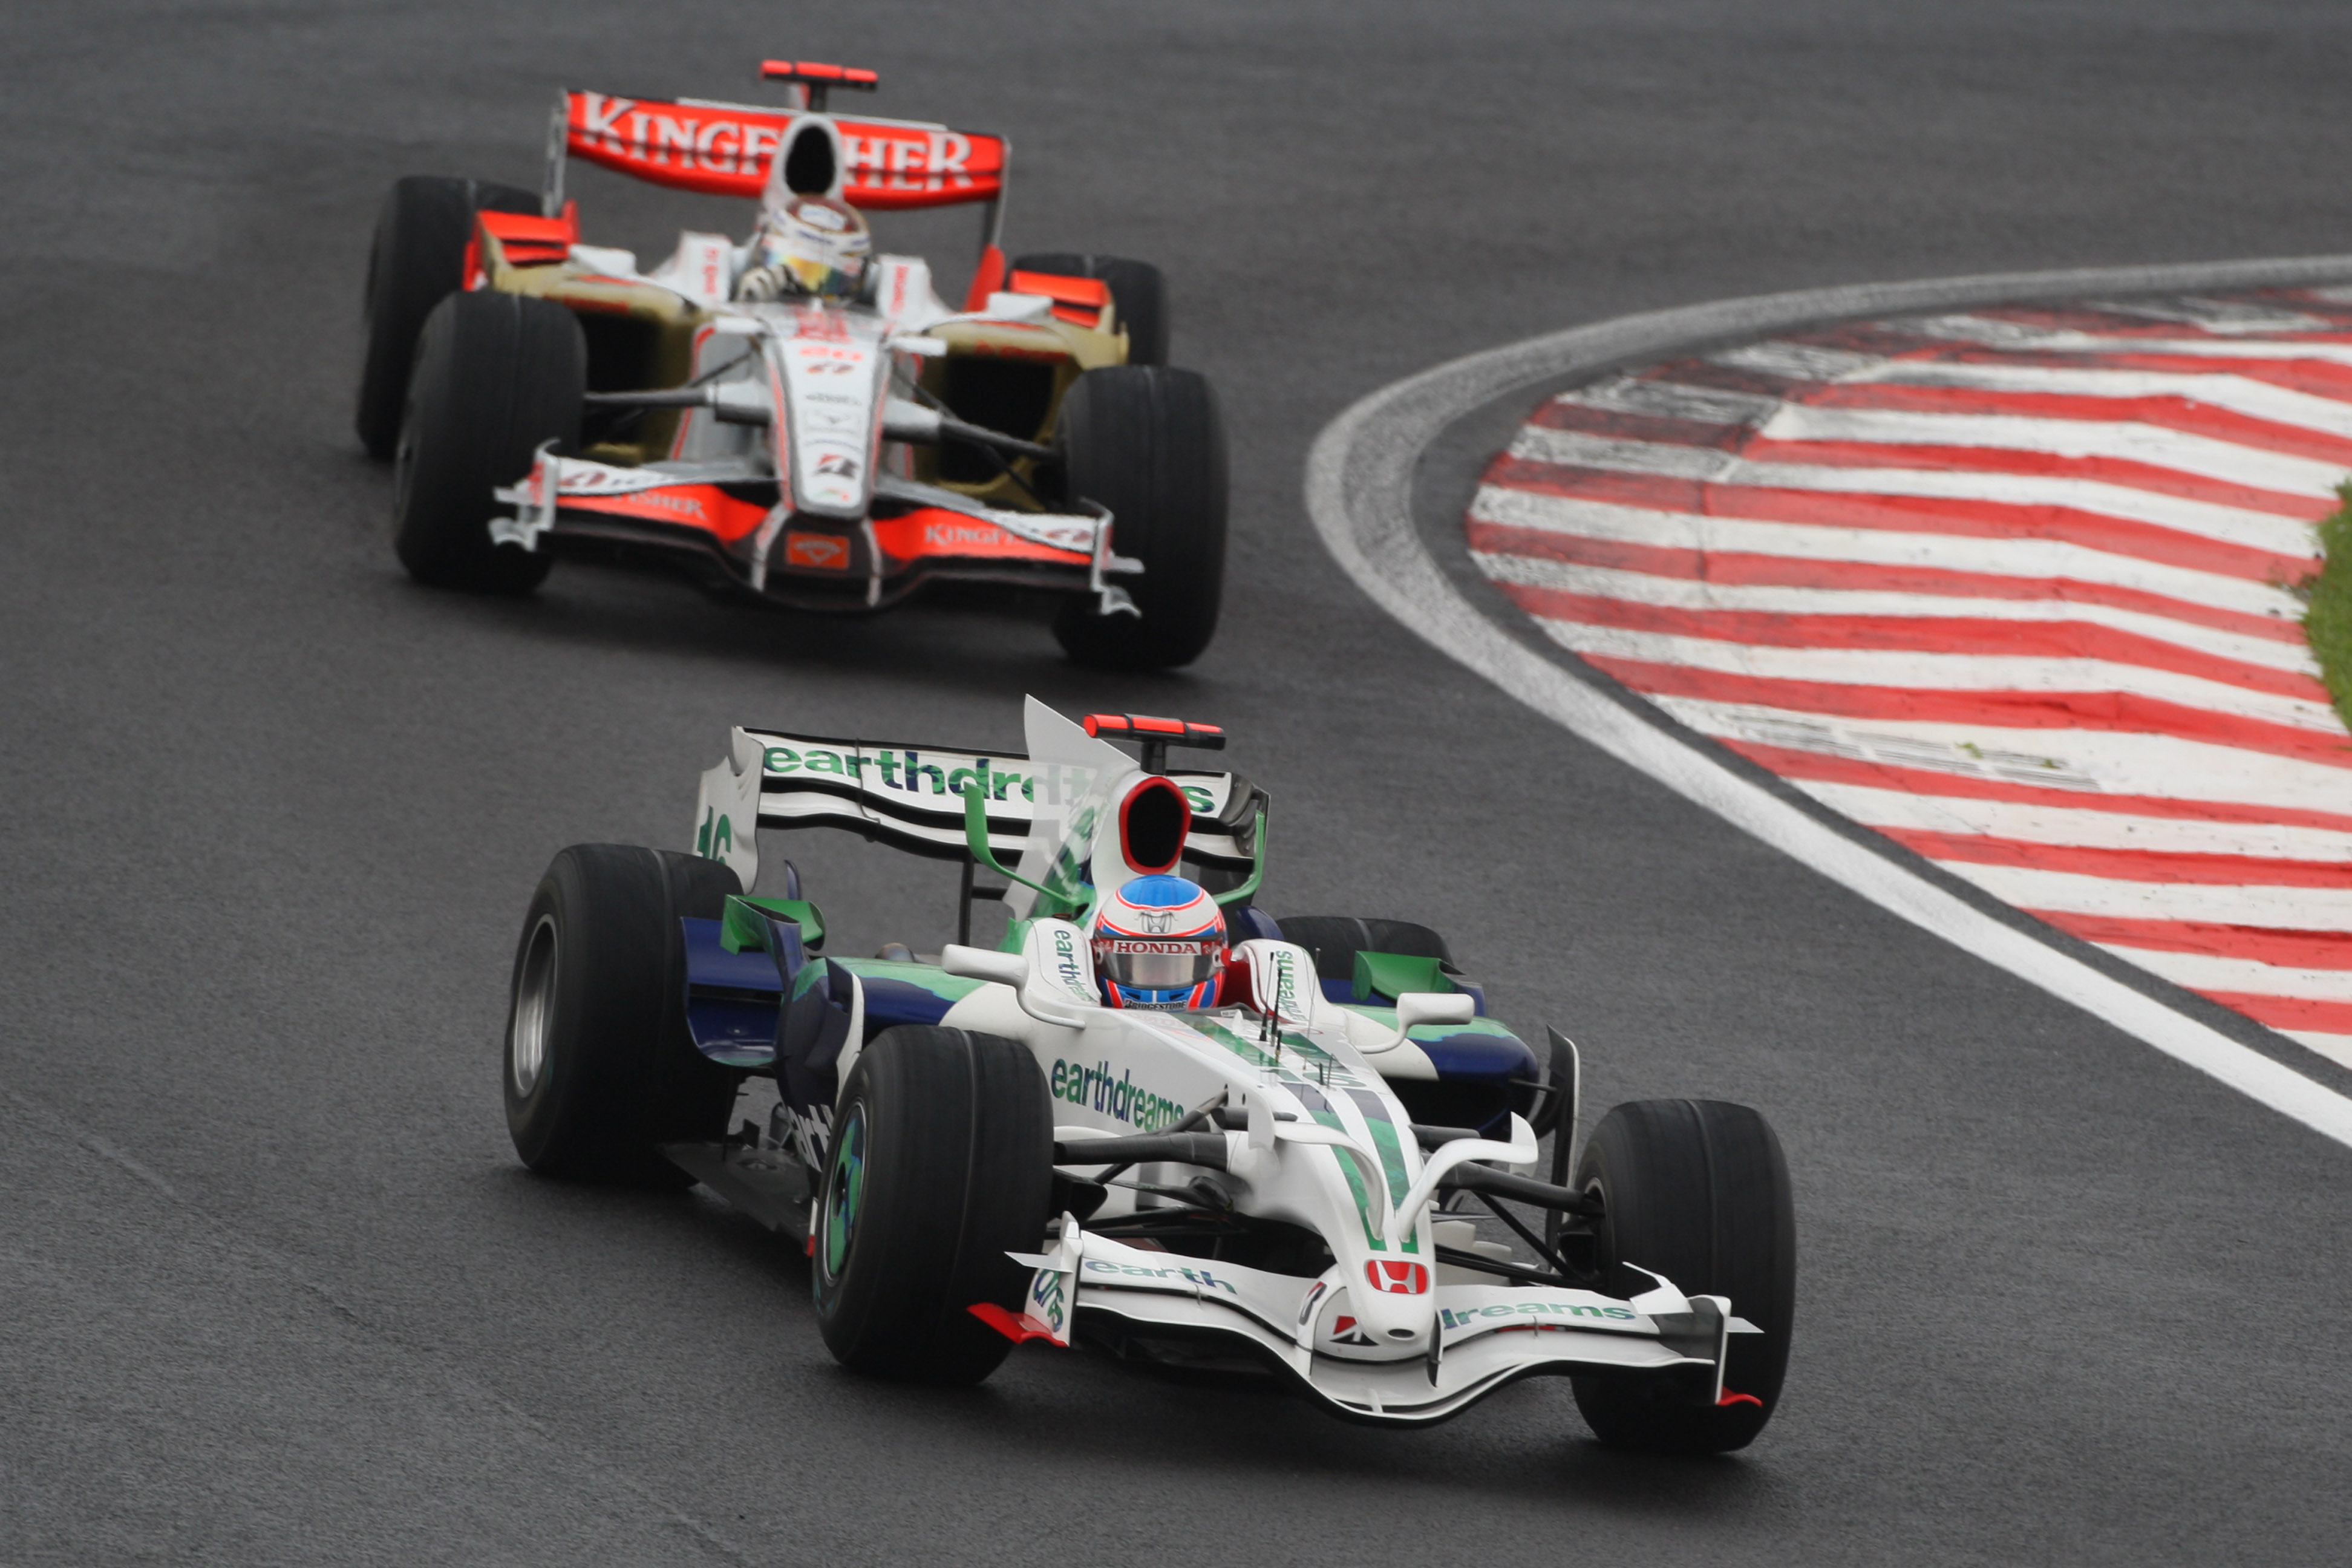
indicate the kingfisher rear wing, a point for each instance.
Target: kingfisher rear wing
{"x":724,"y":150}
{"x":914,"y":798}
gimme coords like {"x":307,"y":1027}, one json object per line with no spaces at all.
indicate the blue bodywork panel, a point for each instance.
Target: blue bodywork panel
{"x":731,"y":999}
{"x":735,"y":1008}
{"x":1488,"y":1055}
{"x":899,"y":992}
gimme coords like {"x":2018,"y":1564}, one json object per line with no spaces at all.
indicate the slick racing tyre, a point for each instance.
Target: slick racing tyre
{"x":1139,"y":296}
{"x":600,"y":1070}
{"x":497,"y":375}
{"x":940,"y":1161}
{"x":419,"y":251}
{"x":1147,"y":443}
{"x":1696,"y":1190}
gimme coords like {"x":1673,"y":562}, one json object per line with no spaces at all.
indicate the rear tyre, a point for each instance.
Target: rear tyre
{"x":1139,"y":294}
{"x":600,"y":1070}
{"x":496,"y":376}
{"x":1147,"y":443}
{"x":414,"y":263}
{"x":1696,"y":1190}
{"x":940,"y":1161}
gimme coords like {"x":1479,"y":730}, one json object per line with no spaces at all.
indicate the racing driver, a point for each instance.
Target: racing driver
{"x":807,"y":244}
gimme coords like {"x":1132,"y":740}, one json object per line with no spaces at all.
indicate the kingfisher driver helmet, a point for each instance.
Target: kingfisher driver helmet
{"x":1159,"y":941}
{"x":812,"y":246}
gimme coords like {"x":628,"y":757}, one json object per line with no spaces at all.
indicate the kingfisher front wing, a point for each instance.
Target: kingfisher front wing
{"x":731,"y":521}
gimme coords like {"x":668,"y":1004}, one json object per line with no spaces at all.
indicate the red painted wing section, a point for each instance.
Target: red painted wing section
{"x":724,"y":150}
{"x":933,"y":531}
{"x":923,"y":533}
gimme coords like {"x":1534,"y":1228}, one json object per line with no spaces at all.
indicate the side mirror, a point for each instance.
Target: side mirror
{"x":983,"y":963}
{"x":1425,"y":1007}
{"x":1416,"y":1007}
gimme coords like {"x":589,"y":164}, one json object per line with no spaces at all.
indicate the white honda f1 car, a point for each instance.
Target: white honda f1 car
{"x":1009,"y":1146}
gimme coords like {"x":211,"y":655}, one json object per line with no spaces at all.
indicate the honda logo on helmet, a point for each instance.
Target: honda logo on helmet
{"x":1156,"y":921}
{"x":1398,"y":1278}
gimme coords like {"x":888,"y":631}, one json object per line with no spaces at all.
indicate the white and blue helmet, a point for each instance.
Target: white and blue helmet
{"x":1159,"y":941}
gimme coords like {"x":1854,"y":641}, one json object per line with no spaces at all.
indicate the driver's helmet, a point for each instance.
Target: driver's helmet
{"x":813,"y":245}
{"x":1159,"y":941}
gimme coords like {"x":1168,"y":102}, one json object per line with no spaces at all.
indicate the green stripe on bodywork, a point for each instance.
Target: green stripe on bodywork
{"x":1477,"y":1026}
{"x":1392,"y":974}
{"x":1391,"y":1151}
{"x":1329,"y":1070}
{"x":1309,"y":1096}
{"x":743,"y":922}
{"x":1249,"y":1050}
{"x":1384,"y":1139}
{"x":1320,"y":1109}
{"x":948,"y":987}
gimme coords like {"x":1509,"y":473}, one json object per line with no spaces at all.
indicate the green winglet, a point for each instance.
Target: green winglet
{"x":975,"y":837}
{"x":1257,"y":870}
{"x":1391,"y":974}
{"x":744,"y":924}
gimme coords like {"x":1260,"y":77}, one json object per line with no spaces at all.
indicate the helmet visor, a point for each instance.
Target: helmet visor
{"x":821,"y":277}
{"x":1155,"y":963}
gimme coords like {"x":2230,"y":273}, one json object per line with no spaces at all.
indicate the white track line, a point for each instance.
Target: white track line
{"x":2121,"y":761}
{"x":2156,"y":446}
{"x":2207,"y":972}
{"x":1897,"y":670}
{"x":2018,"y":335}
{"x":1359,"y":477}
{"x":2066,"y":825}
{"x":1704,"y":594}
{"x":2004,"y":555}
{"x":2237,"y":393}
{"x":2241,"y":526}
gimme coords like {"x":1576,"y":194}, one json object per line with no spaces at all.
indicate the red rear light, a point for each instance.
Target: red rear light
{"x":1143,"y":726}
{"x":818,"y":71}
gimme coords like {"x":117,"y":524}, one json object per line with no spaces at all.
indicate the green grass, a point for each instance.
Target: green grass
{"x":2328,"y":622}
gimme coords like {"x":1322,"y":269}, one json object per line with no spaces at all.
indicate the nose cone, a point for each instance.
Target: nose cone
{"x":1396,"y":1316}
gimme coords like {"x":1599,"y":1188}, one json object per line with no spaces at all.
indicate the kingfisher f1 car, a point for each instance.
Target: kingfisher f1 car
{"x":815,"y":450}
{"x":977,"y":1151}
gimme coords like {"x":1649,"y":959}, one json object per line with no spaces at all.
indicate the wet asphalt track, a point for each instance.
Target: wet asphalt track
{"x":272,"y":1287}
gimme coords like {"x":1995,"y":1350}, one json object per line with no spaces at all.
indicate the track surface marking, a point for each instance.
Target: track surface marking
{"x":2013,"y":588}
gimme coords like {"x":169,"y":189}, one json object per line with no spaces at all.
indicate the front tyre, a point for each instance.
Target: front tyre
{"x":497,"y":376}
{"x":600,"y":1068}
{"x":941,"y":1162}
{"x":417,"y":262}
{"x":1697,"y":1190}
{"x":1148,"y":443}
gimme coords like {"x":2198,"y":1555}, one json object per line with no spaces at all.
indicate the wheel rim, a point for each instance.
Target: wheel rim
{"x":845,"y":1186}
{"x":534,"y":1007}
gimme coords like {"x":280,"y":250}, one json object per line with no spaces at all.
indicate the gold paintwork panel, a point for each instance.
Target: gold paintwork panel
{"x":1071,"y":349}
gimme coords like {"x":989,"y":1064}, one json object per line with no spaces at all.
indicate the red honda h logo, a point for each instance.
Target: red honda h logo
{"x":1397,"y":1278}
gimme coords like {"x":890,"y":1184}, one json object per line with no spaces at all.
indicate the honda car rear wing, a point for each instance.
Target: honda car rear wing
{"x":915,"y":798}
